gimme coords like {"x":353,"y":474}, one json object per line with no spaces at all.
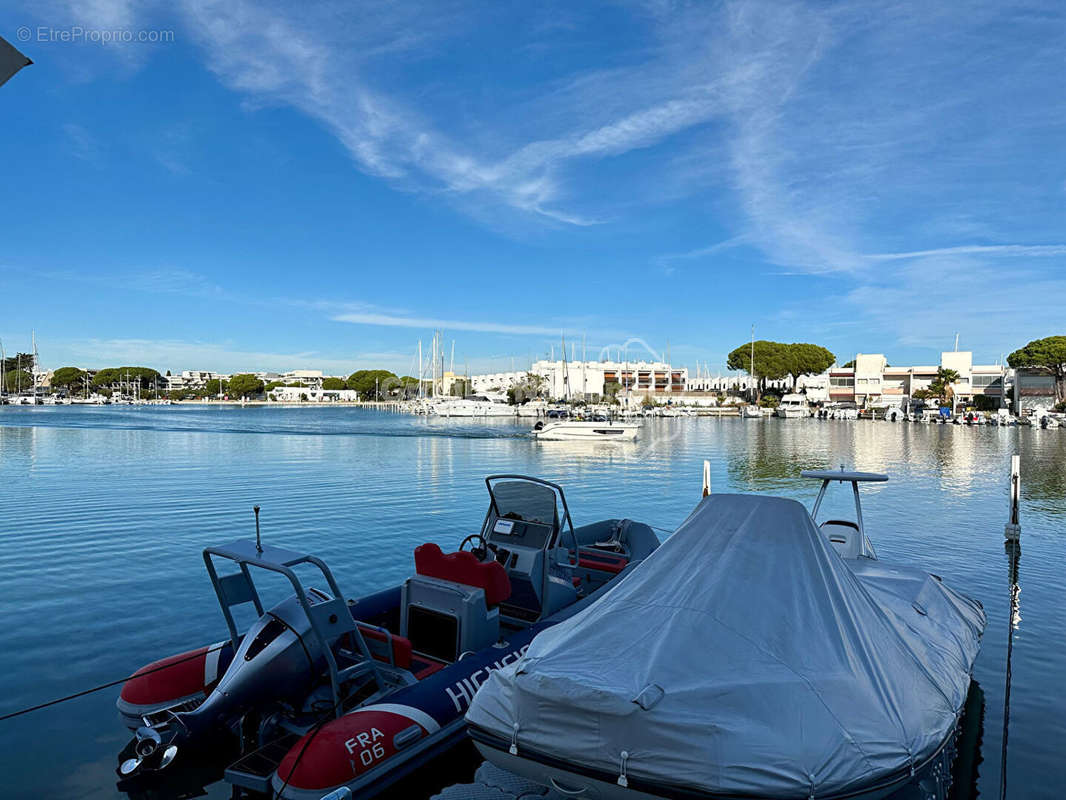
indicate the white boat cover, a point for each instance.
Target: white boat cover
{"x":745,"y":657}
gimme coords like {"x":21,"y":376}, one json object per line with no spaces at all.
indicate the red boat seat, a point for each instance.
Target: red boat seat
{"x":463,"y":567}
{"x":592,"y":558}
{"x":401,"y":646}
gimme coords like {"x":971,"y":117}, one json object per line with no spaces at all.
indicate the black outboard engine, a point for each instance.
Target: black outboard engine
{"x":277,"y":662}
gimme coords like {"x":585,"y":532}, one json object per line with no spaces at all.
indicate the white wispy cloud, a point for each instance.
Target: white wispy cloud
{"x":667,"y":262}
{"x":81,"y":143}
{"x":429,"y":323}
{"x":318,"y":64}
{"x":1010,"y":250}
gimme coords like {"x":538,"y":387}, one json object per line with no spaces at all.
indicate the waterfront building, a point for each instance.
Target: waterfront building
{"x":589,"y":379}
{"x":871,"y":381}
{"x":308,"y":394}
{"x":192,"y":379}
{"x":311,"y":378}
{"x":1033,"y":389}
{"x":816,"y":387}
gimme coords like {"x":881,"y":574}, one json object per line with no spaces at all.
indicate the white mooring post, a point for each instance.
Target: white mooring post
{"x":706,"y":478}
{"x":1013,"y":530}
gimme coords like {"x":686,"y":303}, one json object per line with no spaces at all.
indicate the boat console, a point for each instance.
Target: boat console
{"x":848,"y":538}
{"x":516,"y":572}
{"x":524,"y":532}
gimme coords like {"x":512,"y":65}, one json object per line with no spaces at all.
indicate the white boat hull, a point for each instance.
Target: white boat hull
{"x":791,"y":413}
{"x":472,"y":408}
{"x":587,"y":431}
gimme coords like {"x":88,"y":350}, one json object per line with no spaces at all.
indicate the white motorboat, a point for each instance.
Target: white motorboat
{"x":472,"y":407}
{"x":586,"y":431}
{"x":751,"y":412}
{"x":793,"y":406}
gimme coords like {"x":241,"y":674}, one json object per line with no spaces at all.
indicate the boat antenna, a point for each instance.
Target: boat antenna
{"x":258,"y":541}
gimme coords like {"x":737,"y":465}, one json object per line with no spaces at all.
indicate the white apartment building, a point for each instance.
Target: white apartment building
{"x":589,"y":379}
{"x":192,"y":379}
{"x":873,"y":382}
{"x":308,"y":394}
{"x":305,"y":377}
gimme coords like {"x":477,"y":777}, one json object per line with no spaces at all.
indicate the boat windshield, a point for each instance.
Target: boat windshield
{"x":525,"y":501}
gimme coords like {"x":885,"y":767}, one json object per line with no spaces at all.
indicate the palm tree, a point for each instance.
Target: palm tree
{"x":942,"y":385}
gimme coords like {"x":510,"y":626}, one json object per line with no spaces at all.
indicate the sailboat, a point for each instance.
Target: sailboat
{"x":752,"y":411}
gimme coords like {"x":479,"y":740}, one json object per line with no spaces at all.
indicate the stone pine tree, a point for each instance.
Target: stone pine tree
{"x":774,"y":361}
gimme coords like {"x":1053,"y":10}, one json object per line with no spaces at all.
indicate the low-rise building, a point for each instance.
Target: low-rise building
{"x":871,"y":381}
{"x":1034,"y":389}
{"x":308,"y":394}
{"x":589,"y":379}
{"x":192,"y":379}
{"x":305,"y":377}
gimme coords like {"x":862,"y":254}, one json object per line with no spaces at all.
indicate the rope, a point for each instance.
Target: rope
{"x":107,"y":685}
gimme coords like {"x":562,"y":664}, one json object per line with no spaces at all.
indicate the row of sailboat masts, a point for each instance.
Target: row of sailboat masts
{"x":436,"y":367}
{"x":566,"y":371}
{"x":18,"y":369}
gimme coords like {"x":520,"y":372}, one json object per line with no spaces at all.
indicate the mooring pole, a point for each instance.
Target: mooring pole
{"x":1013,"y":547}
{"x":1013,"y":530}
{"x":706,"y":478}
{"x":258,"y":542}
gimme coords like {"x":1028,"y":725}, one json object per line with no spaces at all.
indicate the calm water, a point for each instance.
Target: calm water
{"x":104,"y":511}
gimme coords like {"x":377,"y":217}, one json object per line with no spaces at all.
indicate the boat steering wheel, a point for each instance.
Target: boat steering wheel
{"x":480,"y":547}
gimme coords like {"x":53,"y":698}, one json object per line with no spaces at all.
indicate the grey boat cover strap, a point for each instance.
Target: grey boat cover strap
{"x":746,"y":657}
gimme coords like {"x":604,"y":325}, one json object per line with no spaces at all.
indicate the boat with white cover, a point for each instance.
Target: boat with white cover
{"x":755,"y":654}
{"x":601,"y":431}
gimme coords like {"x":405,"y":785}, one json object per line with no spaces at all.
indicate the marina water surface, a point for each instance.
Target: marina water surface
{"x":104,"y":512}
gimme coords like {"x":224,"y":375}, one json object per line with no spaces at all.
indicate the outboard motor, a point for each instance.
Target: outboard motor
{"x":277,"y":661}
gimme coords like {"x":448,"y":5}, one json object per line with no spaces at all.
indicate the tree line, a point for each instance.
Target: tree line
{"x":778,"y":360}
{"x":774,"y":361}
{"x":371,"y":384}
{"x":104,"y":381}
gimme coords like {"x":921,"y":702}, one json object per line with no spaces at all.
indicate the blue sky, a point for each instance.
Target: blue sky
{"x":312,"y":185}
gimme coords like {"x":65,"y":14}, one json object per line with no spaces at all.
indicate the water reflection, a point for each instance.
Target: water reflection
{"x":770,"y":460}
{"x":966,"y":769}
